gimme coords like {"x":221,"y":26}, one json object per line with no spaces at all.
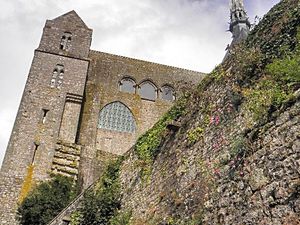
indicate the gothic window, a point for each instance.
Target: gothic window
{"x":116,"y":116}
{"x":57,"y":76}
{"x":65,"y":41}
{"x":168,"y":93}
{"x":148,"y":90}
{"x":127,"y":85}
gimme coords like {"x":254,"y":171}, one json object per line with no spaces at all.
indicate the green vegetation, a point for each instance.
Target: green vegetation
{"x":218,"y":73}
{"x":286,"y":71}
{"x":259,"y":99}
{"x":194,"y":135}
{"x":278,"y":86}
{"x":121,"y":218}
{"x":101,"y":204}
{"x":46,"y":200}
{"x":147,"y":146}
{"x":278,"y":28}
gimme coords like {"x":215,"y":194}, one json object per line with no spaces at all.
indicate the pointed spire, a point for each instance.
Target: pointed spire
{"x":239,"y":23}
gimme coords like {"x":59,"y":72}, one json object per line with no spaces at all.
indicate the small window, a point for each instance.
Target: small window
{"x":167,"y":93}
{"x":65,"y":41}
{"x":148,"y":90}
{"x":45,"y":112}
{"x":57,"y":77}
{"x":36,"y":147}
{"x":127,"y":85}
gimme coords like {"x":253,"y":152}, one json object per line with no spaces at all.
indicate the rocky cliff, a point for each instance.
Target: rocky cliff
{"x":228,"y":152}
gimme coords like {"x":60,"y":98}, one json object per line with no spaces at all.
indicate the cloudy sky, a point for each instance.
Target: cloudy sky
{"x":183,"y":33}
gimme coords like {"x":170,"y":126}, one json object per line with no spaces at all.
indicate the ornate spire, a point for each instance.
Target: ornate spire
{"x":239,"y":23}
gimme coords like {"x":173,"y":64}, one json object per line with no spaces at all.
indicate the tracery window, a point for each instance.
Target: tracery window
{"x":127,"y":85}
{"x":65,"y":41}
{"x":148,"y":90}
{"x":57,"y":76}
{"x":117,"y":116}
{"x":167,"y":93}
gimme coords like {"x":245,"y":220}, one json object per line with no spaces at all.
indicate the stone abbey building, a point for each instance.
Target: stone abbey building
{"x":81,"y":107}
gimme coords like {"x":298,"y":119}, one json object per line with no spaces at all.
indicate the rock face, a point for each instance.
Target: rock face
{"x":259,"y":186}
{"x":229,"y":162}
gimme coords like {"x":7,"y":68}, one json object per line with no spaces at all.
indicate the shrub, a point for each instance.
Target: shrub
{"x":194,"y":135}
{"x":286,"y":70}
{"x":102,"y":203}
{"x":122,"y":218}
{"x":259,"y":99}
{"x":45,"y":201}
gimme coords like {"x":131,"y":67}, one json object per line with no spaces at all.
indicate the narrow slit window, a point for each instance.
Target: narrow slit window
{"x":36,"y":147}
{"x":45,"y":112}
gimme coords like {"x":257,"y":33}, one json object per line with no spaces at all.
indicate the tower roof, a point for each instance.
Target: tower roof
{"x":73,"y":16}
{"x":236,"y":5}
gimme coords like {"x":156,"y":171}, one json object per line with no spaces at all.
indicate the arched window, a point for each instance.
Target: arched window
{"x":148,"y":90}
{"x":65,"y":41}
{"x":116,"y":116}
{"x":57,"y":76}
{"x":167,"y":93}
{"x":127,"y":85}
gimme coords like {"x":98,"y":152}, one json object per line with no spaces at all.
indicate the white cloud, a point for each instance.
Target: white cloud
{"x":7,"y":117}
{"x":184,"y":33}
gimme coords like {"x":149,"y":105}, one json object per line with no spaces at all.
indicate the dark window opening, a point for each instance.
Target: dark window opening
{"x":45,"y":111}
{"x":148,"y":91}
{"x":36,"y":147}
{"x":168,"y":93}
{"x":127,"y":85}
{"x":65,"y":41}
{"x":57,"y":76}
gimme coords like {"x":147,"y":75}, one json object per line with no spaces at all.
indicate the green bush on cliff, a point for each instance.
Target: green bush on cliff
{"x":46,"y":201}
{"x":195,"y":135}
{"x":267,"y":93}
{"x":286,"y":70}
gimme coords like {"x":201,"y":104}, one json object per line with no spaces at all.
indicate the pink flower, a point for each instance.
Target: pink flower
{"x":211,"y":120}
{"x":217,"y":171}
{"x":217,"y":120}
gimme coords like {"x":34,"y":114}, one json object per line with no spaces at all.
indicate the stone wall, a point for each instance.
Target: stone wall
{"x":9,"y":195}
{"x":105,"y":73}
{"x":70,"y":119}
{"x":213,"y":180}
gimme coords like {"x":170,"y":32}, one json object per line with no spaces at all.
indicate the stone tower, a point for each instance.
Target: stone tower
{"x":49,"y":110}
{"x":239,"y":23}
